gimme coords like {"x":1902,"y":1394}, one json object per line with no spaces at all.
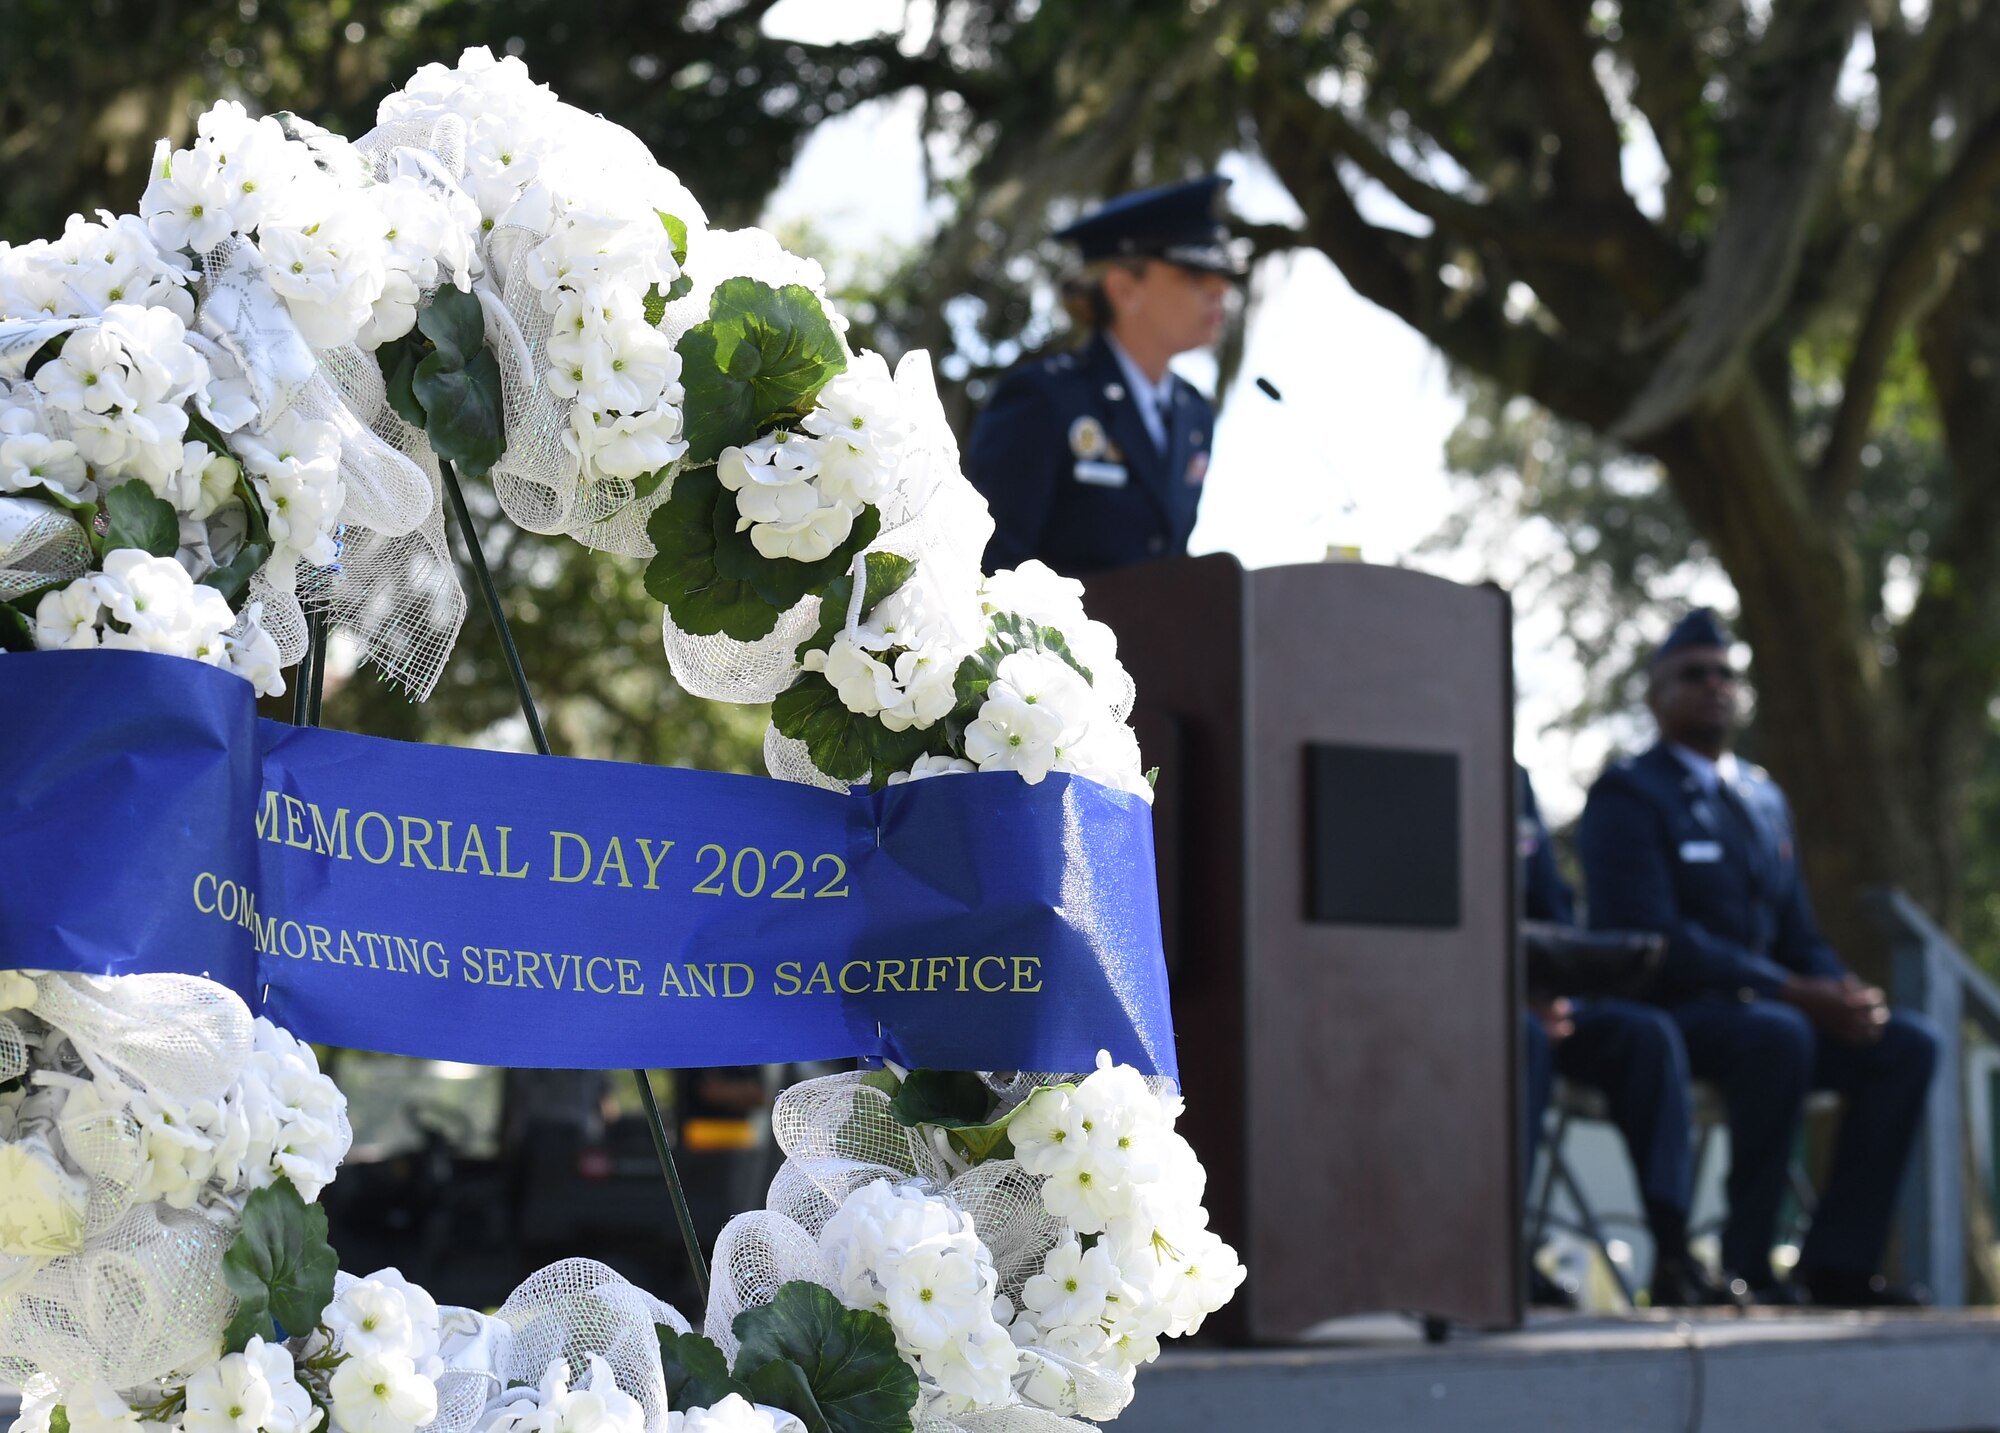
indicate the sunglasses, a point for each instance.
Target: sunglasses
{"x":1695,"y":673}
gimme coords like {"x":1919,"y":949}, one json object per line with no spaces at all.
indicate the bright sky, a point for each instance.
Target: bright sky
{"x":1352,"y":456}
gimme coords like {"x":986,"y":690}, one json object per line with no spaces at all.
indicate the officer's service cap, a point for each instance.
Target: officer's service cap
{"x":1181,"y":223}
{"x":1700,"y":628}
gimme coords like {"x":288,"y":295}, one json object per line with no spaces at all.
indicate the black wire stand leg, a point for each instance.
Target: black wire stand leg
{"x":491,"y":594}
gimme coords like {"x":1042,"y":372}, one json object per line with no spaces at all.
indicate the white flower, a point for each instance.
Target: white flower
{"x":859,"y":421}
{"x":295,"y":467}
{"x":936,"y":1292}
{"x":253,"y":655}
{"x":368,"y":1316}
{"x":628,"y":446}
{"x":1072,"y":1286}
{"x":96,"y":1408}
{"x":17,"y":990}
{"x":1012,"y":734}
{"x":597,"y":1405}
{"x":30,"y":457}
{"x":329,"y":272}
{"x":929,"y":766}
{"x":980,"y":1366}
{"x":162,"y":608}
{"x":116,"y":261}
{"x":66,"y":619}
{"x":381,"y":1393}
{"x":42,"y":1205}
{"x":303,"y":1132}
{"x":734,"y":1414}
{"x":255,"y":1391}
{"x":1048,"y":1133}
{"x":186,"y":203}
{"x":865,"y":686}
{"x":779,"y":500}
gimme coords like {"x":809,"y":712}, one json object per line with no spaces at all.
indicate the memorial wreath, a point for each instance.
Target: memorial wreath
{"x":238,"y":416}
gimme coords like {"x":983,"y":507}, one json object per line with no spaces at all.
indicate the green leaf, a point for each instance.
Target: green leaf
{"x":17,"y":628}
{"x":138,"y":519}
{"x":399,"y":372}
{"x":783,"y":1384}
{"x":848,"y":1359}
{"x":1011,"y":633}
{"x":957,"y":1102}
{"x":837,"y":739}
{"x":280,"y":1267}
{"x":455,"y":324}
{"x":949,"y":1099}
{"x":683,"y":574}
{"x":58,"y":1419}
{"x":232,"y":579}
{"x":462,"y":410}
{"x":458,"y":385}
{"x":199,"y":427}
{"x":886,"y":573}
{"x":677,"y":234}
{"x":781,"y":581}
{"x":762,"y":355}
{"x":697,"y":1374}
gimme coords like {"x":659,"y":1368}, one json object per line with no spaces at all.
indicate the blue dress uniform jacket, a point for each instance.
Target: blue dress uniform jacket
{"x":1071,"y":474}
{"x":1717,"y":874}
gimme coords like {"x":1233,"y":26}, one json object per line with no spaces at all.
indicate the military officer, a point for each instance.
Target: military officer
{"x":1095,"y":458}
{"x":1632,"y":1054}
{"x":1688,"y":841}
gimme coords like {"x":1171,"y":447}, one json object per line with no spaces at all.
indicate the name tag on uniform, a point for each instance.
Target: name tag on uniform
{"x":1701,"y":851}
{"x":1101,"y":475}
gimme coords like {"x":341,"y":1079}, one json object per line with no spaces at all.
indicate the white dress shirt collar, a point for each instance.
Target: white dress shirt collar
{"x":1155,"y":400}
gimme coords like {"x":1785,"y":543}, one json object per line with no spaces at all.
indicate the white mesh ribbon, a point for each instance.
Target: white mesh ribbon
{"x":40,"y":546}
{"x":144,"y":1297}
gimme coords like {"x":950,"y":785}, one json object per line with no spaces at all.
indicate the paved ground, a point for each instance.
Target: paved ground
{"x":1762,"y":1373}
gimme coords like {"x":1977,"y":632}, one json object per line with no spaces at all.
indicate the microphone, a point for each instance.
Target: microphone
{"x":1269,"y":389}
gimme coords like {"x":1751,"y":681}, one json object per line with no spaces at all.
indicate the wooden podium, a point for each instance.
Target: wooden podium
{"x":1335,"y":824}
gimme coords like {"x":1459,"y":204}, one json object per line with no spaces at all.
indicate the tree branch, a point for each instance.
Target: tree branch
{"x":1385,"y":267}
{"x":1579,"y":113}
{"x":1755,"y":255}
{"x":1908,"y":285}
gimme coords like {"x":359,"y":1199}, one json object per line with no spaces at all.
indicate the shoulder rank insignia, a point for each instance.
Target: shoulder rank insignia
{"x":1087,"y":438}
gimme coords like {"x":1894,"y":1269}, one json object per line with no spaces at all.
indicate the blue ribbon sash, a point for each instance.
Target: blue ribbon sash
{"x":502,"y":909}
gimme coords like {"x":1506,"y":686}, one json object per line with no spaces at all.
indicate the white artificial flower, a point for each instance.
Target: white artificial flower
{"x":330,"y":271}
{"x":864,"y":685}
{"x":161,"y":607}
{"x":1012,"y":734}
{"x":1072,"y":1286}
{"x":381,"y":1393}
{"x":93,"y":1407}
{"x":733,"y":1414}
{"x":936,"y":1292}
{"x":303,"y":1133}
{"x":17,"y":990}
{"x":32,"y":458}
{"x":385,"y":1312}
{"x":779,"y":500}
{"x":121,"y":384}
{"x":596,"y":1405}
{"x":979,"y":1366}
{"x":187,"y":201}
{"x":295,"y":468}
{"x":42,"y":1205}
{"x":115,"y":260}
{"x":628,"y":446}
{"x":66,"y":619}
{"x":862,"y":431}
{"x":1048,"y":1133}
{"x":255,"y":1391}
{"x":253,"y":655}
{"x":928,"y":766}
